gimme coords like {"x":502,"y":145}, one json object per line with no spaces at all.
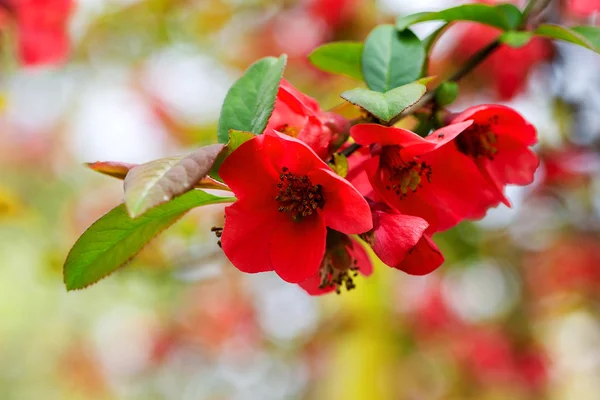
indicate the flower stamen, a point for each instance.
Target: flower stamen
{"x":478,"y":141}
{"x":334,"y":277}
{"x":298,"y":196}
{"x":403,"y":175}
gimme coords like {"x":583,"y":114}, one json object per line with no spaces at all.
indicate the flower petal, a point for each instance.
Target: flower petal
{"x":502,"y":120}
{"x":438,"y":138}
{"x":345,"y":209}
{"x":250,"y":173}
{"x":367,"y":134}
{"x":395,"y":235}
{"x":514,"y":163}
{"x":423,"y":259}
{"x":296,"y":100}
{"x":245,"y":236}
{"x":296,"y":249}
{"x":311,"y":286}
{"x":460,"y":189}
{"x":358,"y":253}
{"x":356,"y":172}
{"x":294,"y":154}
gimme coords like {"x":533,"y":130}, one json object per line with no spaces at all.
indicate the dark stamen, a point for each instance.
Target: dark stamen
{"x":297,"y":195}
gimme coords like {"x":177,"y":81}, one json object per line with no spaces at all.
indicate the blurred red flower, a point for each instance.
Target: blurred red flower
{"x":415,"y":176}
{"x":507,"y":68}
{"x":41,"y":29}
{"x":287,"y":197}
{"x":498,"y":142}
{"x":583,"y":8}
{"x":300,"y":116}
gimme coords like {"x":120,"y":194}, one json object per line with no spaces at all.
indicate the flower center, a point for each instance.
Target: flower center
{"x":403,"y":175}
{"x":297,"y":195}
{"x":478,"y":141}
{"x":334,"y":276}
{"x":292,"y":131}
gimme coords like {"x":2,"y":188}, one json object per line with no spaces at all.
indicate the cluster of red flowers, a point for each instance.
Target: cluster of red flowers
{"x":41,"y":27}
{"x":294,"y":215}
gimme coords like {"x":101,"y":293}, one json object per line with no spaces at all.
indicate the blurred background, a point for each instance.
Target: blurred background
{"x":514,"y":313}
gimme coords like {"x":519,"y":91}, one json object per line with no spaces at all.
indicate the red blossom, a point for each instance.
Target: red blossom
{"x":583,"y":8}
{"x":498,"y":142}
{"x":300,"y":116}
{"x":42,"y":29}
{"x":400,"y":242}
{"x":344,"y":259}
{"x":287,"y":197}
{"x":507,"y":68}
{"x":419,"y":176}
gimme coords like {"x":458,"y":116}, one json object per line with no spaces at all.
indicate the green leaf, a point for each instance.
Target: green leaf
{"x":426,"y":80}
{"x":250,"y":101}
{"x":503,"y":16}
{"x":115,"y":238}
{"x":340,"y":164}
{"x":446,"y":93}
{"x":586,"y":36}
{"x":591,"y":33}
{"x":159,"y":181}
{"x":385,"y":106}
{"x":515,"y":39}
{"x":391,"y":59}
{"x":342,"y":58}
{"x":236,"y":139}
{"x":119,"y":170}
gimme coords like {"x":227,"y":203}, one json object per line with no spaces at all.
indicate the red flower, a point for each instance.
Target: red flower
{"x":300,"y":116}
{"x":498,"y":141}
{"x":507,"y":68}
{"x":344,"y":259}
{"x":42,"y":29}
{"x":583,"y":8}
{"x":400,"y":242}
{"x":415,"y":176}
{"x":287,"y":197}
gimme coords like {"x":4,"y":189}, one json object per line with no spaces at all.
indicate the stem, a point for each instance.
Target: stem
{"x":527,"y":11}
{"x":350,"y":149}
{"x":533,"y":9}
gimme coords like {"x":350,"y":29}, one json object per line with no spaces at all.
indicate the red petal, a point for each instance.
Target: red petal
{"x":311,"y":286}
{"x":296,"y":100}
{"x":503,"y":120}
{"x":297,"y":248}
{"x":356,"y":172}
{"x":514,"y":163}
{"x":245,"y":236}
{"x":459,"y":188}
{"x":423,"y":259}
{"x":396,"y":235}
{"x":283,"y":116}
{"x":363,"y":261}
{"x":417,"y":203}
{"x":250,"y":172}
{"x":316,"y":136}
{"x":437,"y":138}
{"x":293,"y":153}
{"x":367,"y":134}
{"x":345,"y":209}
